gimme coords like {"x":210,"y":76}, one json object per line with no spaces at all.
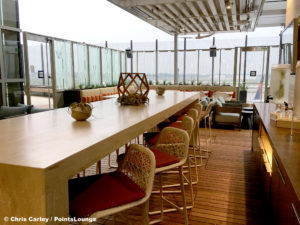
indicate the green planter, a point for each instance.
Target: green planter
{"x":243,"y":96}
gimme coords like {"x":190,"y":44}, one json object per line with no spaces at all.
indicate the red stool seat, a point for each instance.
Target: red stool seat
{"x":175,"y":124}
{"x":107,"y":191}
{"x":163,"y":159}
{"x":154,"y":139}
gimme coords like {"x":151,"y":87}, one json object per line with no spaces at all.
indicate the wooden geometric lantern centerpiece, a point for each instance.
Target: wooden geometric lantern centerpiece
{"x":133,"y":89}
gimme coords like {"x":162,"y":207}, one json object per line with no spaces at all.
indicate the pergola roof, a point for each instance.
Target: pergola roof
{"x":206,"y":16}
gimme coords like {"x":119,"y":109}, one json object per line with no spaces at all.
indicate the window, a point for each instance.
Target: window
{"x":146,"y":64}
{"x":63,"y":65}
{"x":80,"y":65}
{"x":12,"y":54}
{"x":14,"y":93}
{"x":116,"y":66}
{"x":94,"y":66}
{"x":106,"y":67}
{"x":1,"y":99}
{"x":10,"y":13}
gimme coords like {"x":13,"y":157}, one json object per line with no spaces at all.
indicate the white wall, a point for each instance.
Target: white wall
{"x":292,"y":11}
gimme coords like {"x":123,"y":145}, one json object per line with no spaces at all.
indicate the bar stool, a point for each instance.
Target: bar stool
{"x":106,"y":194}
{"x":171,"y":151}
{"x":207,"y":129}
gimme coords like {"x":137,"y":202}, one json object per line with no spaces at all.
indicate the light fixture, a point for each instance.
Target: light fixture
{"x":204,"y":36}
{"x":227,"y":4}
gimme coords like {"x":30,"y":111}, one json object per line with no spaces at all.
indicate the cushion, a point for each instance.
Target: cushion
{"x":227,"y":117}
{"x":164,"y":159}
{"x":221,"y":99}
{"x":153,"y":140}
{"x":103,"y":192}
{"x":6,"y":111}
{"x":176,"y":124}
{"x":203,"y":102}
{"x":207,"y":99}
{"x":218,"y":103}
{"x":28,"y":107}
{"x":180,"y":118}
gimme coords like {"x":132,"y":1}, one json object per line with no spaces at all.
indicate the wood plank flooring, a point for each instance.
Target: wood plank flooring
{"x":229,"y":188}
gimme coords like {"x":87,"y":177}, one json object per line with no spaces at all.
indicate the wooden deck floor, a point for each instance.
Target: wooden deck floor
{"x":228,"y":191}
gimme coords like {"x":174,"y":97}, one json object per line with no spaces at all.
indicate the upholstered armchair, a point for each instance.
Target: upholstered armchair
{"x":227,"y":114}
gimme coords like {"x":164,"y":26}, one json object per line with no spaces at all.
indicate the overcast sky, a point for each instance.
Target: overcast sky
{"x":94,"y":21}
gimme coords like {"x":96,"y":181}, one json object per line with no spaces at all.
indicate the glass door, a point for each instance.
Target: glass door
{"x":39,"y":88}
{"x":254,"y":72}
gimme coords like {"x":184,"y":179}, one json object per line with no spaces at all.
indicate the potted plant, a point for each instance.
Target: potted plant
{"x":243,"y":93}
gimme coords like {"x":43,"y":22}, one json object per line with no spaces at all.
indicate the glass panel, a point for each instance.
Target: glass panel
{"x":180,"y":66}
{"x":224,"y":73}
{"x":14,"y":93}
{"x":80,"y":66}
{"x":191,"y":67}
{"x":94,"y":60}
{"x":146,"y":64}
{"x":1,"y":99}
{"x":134,"y":65}
{"x":205,"y":68}
{"x":254,"y":84}
{"x":123,"y":60}
{"x":39,"y":61}
{"x":165,"y":67}
{"x":63,"y":65}
{"x":12,"y":54}
{"x":106,"y":67}
{"x":116,"y":67}
{"x":9,"y":13}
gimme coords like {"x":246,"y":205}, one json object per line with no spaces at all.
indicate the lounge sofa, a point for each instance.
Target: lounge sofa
{"x":97,"y":94}
{"x":19,"y":110}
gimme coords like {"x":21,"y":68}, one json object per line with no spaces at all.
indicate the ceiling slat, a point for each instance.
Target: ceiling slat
{"x":196,"y":14}
{"x":215,"y":13}
{"x":132,"y":3}
{"x":224,"y":12}
{"x":190,"y":18}
{"x":205,"y":13}
{"x":170,"y":14}
{"x":233,"y":13}
{"x":177,"y":14}
{"x":160,"y":16}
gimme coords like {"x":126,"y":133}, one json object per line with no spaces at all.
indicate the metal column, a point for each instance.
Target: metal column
{"x":156,"y":61}
{"x":245,"y":62}
{"x":212,"y":66}
{"x":184,"y":60}
{"x":198,"y":66}
{"x":131,"y":59}
{"x":235,"y":66}
{"x":175,"y":58}
{"x":267,"y":73}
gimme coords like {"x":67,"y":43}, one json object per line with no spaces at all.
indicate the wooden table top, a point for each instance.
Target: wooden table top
{"x":47,"y":139}
{"x":287,"y":147}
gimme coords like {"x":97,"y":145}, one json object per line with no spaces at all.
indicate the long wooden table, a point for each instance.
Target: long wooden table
{"x":40,"y":152}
